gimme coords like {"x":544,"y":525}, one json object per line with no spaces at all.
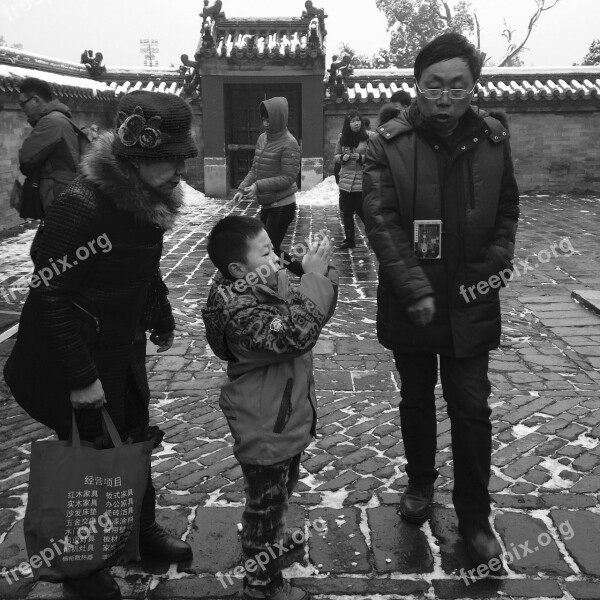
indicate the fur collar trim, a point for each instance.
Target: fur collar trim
{"x":119,"y":180}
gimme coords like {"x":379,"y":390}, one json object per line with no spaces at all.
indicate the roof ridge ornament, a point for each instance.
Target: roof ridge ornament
{"x":312,"y":11}
{"x":93,"y":64}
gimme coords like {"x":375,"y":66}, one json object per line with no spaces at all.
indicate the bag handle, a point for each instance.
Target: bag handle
{"x":107,"y":426}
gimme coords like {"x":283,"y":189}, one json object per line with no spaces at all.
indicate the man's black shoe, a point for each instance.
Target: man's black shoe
{"x":98,"y":586}
{"x":346,"y":244}
{"x":155,"y":541}
{"x":415,"y":503}
{"x":481,"y":542}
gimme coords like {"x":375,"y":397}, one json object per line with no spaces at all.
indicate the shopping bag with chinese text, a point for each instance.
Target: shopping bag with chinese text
{"x":84,"y":504}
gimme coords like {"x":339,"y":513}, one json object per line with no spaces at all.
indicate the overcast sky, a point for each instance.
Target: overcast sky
{"x":64,"y":28}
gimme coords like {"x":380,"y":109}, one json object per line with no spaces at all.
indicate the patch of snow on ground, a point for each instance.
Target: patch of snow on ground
{"x":521,"y":430}
{"x":325,"y":193}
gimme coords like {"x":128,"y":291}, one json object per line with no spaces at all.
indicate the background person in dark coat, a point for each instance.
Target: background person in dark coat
{"x":81,"y":340}
{"x":443,"y":160}
{"x":53,"y":144}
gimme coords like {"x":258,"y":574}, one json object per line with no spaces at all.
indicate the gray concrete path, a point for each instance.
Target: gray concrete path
{"x":546,"y":415}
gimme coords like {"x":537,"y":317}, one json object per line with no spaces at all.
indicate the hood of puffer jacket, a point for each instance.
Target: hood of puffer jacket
{"x":277,"y":109}
{"x":119,"y":180}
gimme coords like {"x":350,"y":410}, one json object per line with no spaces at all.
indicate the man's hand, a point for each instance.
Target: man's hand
{"x":422,"y":311}
{"x":316,"y":260}
{"x":90,"y":397}
{"x":250,"y":192}
{"x":164,"y":341}
{"x":238,"y":196}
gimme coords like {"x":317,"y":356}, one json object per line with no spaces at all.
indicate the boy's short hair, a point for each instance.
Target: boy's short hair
{"x":446,"y":47}
{"x":36,"y":87}
{"x":229,"y":240}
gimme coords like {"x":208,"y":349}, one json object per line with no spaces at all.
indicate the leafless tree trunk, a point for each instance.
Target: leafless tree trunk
{"x":477,"y":29}
{"x":514,"y":49}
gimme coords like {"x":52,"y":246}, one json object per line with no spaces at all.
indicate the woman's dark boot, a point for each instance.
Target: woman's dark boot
{"x":98,"y":586}
{"x":154,"y":540}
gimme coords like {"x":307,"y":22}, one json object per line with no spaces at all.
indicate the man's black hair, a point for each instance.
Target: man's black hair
{"x":229,"y":241}
{"x":402,"y":97}
{"x":446,"y":47}
{"x":31,"y":86}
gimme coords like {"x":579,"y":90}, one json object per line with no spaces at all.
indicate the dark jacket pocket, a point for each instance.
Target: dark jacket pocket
{"x":285,"y":408}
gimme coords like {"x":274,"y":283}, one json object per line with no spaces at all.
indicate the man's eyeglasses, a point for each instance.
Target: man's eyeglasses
{"x":453,"y":94}
{"x":22,"y":104}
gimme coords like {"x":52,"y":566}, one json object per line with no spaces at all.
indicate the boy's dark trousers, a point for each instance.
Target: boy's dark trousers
{"x":350,"y":203}
{"x":268,"y":489}
{"x":466,"y":389}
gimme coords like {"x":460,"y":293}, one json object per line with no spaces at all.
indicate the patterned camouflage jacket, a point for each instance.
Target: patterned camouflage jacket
{"x":270,"y":400}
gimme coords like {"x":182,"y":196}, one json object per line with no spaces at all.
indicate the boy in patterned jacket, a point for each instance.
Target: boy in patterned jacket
{"x":265,"y":331}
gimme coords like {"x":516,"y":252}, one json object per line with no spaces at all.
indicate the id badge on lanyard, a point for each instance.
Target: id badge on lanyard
{"x":427,"y":236}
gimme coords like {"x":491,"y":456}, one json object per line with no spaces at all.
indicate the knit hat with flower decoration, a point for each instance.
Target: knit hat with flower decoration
{"x":154,"y":126}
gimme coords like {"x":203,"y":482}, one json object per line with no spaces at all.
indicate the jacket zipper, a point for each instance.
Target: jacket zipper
{"x":285,"y":408}
{"x":89,"y":314}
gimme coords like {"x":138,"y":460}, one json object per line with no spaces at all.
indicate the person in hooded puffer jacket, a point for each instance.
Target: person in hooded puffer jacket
{"x":272,"y":179}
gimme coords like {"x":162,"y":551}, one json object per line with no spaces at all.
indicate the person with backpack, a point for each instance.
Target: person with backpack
{"x":52,"y":150}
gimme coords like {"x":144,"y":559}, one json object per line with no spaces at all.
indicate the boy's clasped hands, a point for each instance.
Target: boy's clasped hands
{"x":320,"y":251}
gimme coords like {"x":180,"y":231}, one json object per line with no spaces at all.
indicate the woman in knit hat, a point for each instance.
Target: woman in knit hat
{"x":82,"y":335}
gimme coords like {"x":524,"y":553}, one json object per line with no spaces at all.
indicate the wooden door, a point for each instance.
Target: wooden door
{"x":243,"y":123}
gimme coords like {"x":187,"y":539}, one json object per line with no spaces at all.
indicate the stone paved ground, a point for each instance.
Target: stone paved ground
{"x":546,"y":414}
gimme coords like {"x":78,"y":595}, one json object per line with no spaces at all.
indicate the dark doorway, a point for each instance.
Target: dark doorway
{"x":243,"y":124}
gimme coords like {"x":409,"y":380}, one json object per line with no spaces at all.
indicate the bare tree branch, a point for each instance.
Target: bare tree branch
{"x":477,"y":29}
{"x":514,"y":49}
{"x":448,"y":13}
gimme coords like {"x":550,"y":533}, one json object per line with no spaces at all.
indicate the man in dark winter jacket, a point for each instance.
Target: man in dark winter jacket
{"x":441,"y":206}
{"x":53,"y":145}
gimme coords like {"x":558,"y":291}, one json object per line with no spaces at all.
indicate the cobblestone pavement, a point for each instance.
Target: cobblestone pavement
{"x":546,"y":415}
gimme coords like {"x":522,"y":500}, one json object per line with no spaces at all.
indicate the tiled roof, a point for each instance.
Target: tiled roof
{"x":62,"y":85}
{"x":70,"y":79}
{"x":496,"y":83}
{"x":283,"y":38}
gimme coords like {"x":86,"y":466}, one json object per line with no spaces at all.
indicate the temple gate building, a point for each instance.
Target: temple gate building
{"x":553,"y":113}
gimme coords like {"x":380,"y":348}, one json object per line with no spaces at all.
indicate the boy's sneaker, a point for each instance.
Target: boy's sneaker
{"x":284,"y":592}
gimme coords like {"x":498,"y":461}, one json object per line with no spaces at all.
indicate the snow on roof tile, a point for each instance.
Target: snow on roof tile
{"x":508,"y":84}
{"x":73,"y":81}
